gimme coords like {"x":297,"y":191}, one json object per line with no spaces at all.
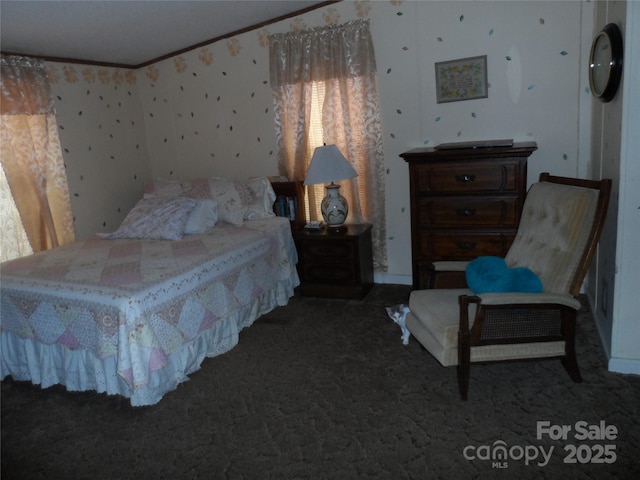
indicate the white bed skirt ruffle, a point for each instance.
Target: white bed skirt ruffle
{"x":80,"y":370}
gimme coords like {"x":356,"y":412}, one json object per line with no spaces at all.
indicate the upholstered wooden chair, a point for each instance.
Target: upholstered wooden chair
{"x":557,"y":237}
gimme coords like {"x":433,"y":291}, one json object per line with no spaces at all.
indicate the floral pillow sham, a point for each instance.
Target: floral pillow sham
{"x":157,"y":218}
{"x":236,"y":201}
{"x":203,"y":217}
{"x":261,"y":198}
{"x":231,"y":208}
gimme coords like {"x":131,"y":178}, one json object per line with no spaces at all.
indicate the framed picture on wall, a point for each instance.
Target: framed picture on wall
{"x":462,"y":79}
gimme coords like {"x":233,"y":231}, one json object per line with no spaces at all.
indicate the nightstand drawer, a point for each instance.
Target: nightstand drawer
{"x":466,"y":178}
{"x":335,"y":264}
{"x":464,"y":212}
{"x":462,"y":246}
{"x":339,"y":251}
{"x":329,"y":273}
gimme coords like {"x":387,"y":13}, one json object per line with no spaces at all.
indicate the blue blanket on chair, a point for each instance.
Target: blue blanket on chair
{"x":491,"y":274}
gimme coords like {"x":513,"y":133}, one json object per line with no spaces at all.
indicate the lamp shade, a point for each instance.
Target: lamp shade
{"x":328,"y":165}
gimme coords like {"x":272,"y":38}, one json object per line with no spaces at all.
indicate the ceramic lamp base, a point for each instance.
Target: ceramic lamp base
{"x":334,"y":207}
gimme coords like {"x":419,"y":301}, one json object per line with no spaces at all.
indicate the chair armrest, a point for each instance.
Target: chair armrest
{"x":529,"y":298}
{"x":450,"y":266}
{"x":443,"y":274}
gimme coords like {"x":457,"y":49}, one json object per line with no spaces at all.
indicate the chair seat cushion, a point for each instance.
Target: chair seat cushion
{"x":434,"y":320}
{"x":491,"y":274}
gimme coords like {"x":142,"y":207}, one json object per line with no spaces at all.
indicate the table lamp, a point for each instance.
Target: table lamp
{"x":329,"y":165}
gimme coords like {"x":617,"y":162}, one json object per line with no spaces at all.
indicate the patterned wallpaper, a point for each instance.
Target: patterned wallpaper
{"x":209,"y":111}
{"x":102,"y":135}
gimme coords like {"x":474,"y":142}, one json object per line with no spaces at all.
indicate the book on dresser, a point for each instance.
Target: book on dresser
{"x":465,"y":203}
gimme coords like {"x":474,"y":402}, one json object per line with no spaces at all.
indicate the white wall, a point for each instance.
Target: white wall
{"x":101,"y":127}
{"x":615,"y":146}
{"x":625,"y":345}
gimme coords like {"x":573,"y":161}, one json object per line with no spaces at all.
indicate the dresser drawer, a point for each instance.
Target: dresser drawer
{"x":467,"y":178}
{"x":452,"y":212}
{"x":465,"y":203}
{"x":443,"y":245}
{"x":328,"y":250}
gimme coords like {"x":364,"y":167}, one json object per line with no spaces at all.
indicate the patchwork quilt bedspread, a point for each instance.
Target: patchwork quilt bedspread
{"x":142,"y":300}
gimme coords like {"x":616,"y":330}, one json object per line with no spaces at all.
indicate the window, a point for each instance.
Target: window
{"x":13,"y":239}
{"x":33,"y":185}
{"x":325,"y":93}
{"x":315,"y":193}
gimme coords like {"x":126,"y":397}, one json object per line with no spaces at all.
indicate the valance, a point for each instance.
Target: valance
{"x":320,"y":54}
{"x":25,"y":88}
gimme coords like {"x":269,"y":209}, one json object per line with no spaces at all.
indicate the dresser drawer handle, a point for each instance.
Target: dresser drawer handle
{"x":467,"y":245}
{"x":465,"y":178}
{"x":466,"y":212}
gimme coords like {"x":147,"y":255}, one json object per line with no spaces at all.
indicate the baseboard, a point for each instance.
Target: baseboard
{"x":624,"y":365}
{"x":392,"y":278}
{"x":614,"y":364}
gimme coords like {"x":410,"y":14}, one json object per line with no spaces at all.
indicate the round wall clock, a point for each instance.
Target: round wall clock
{"x":605,"y":62}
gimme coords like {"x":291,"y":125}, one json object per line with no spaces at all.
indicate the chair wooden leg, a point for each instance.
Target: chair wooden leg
{"x":571,"y":366}
{"x":464,"y":346}
{"x":569,"y":360}
{"x":464,"y":363}
{"x":463,"y":380}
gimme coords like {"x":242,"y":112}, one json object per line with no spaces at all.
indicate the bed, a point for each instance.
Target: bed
{"x":136,"y":316}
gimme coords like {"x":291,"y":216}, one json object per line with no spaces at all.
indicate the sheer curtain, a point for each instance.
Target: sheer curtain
{"x":36,"y":211}
{"x":332,"y":69}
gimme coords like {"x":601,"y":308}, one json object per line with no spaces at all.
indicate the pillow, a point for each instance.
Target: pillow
{"x":491,"y":274}
{"x":525,"y":280}
{"x":203,"y":217}
{"x":161,"y":187}
{"x":231,"y":208}
{"x":158,"y":218}
{"x":262,"y":196}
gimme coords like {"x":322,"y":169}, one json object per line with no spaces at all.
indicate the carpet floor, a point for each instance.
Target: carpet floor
{"x":325,"y":389}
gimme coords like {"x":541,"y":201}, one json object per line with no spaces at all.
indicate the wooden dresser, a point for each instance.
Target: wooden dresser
{"x":465,"y":202}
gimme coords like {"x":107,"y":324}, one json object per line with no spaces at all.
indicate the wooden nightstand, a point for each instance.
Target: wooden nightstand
{"x":335,"y":265}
